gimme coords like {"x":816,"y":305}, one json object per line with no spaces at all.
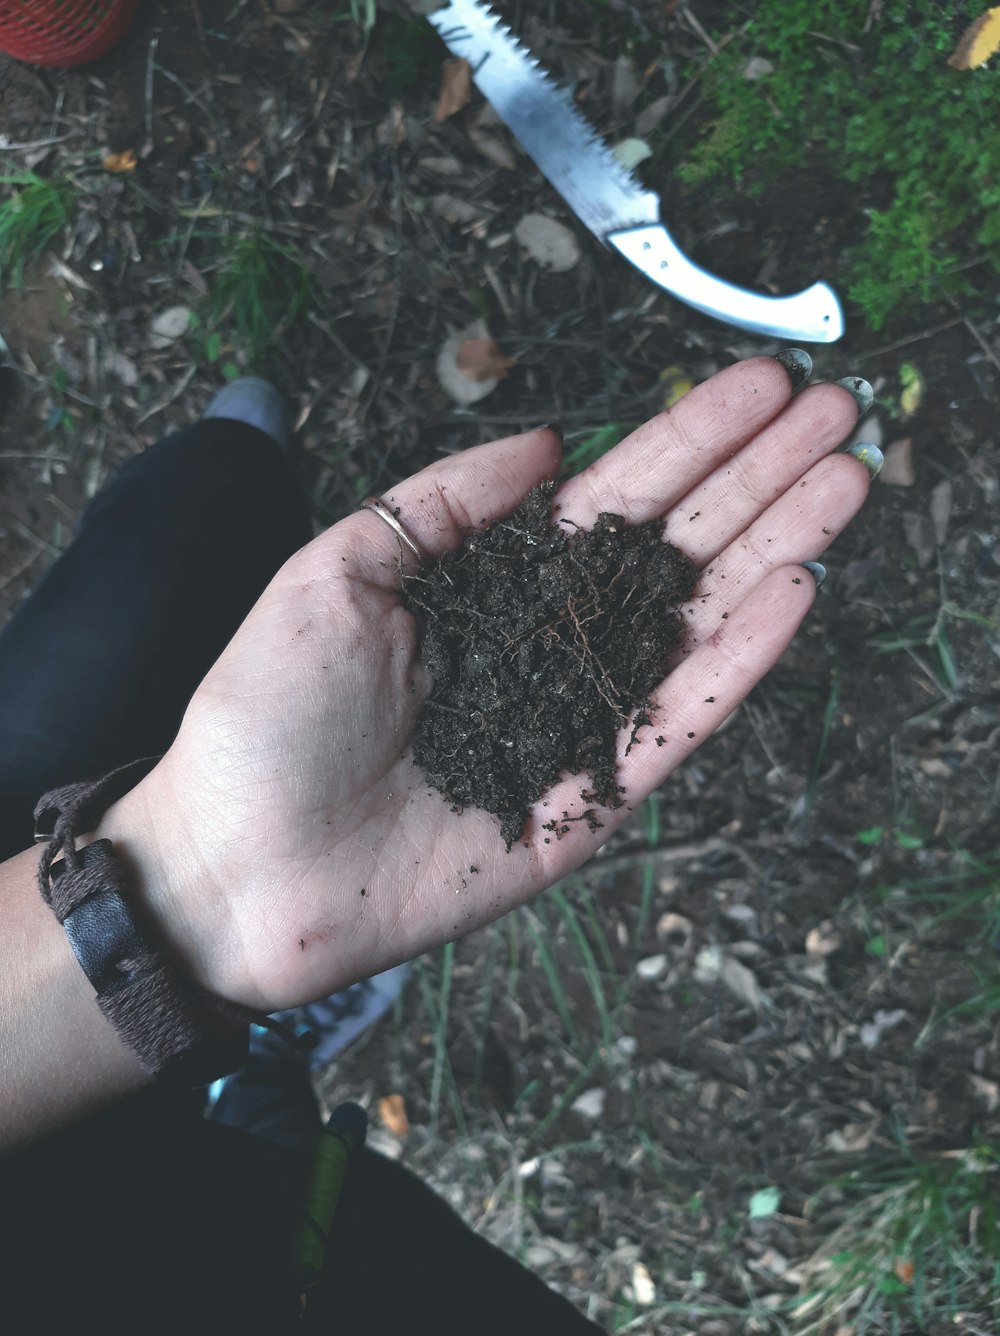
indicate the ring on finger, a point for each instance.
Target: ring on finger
{"x":380,"y":509}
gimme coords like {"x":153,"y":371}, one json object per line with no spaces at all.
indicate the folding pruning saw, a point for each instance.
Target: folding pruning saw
{"x":616,"y":207}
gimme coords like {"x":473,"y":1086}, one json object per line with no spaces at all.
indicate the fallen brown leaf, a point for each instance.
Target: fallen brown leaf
{"x":392,"y":1111}
{"x":897,"y":469}
{"x":904,"y":1270}
{"x":456,"y":89}
{"x":481,"y":359}
{"x":120,"y":162}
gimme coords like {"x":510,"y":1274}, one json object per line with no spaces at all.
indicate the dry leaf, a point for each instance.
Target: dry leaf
{"x":642,"y":1285}
{"x":470,"y":365}
{"x":987,"y":1090}
{"x":549,"y":242}
{"x":456,"y":89}
{"x":940,"y":509}
{"x":483,"y":127}
{"x":120,"y":162}
{"x":624,"y":85}
{"x":757,"y":67}
{"x":493,"y":148}
{"x":822,"y":941}
{"x":630,"y":152}
{"x":481,"y":359}
{"x":170,"y":325}
{"x":590,"y":1104}
{"x":651,"y":967}
{"x":392,"y":1111}
{"x":674,"y":928}
{"x":904,"y":1270}
{"x":979,"y":41}
{"x":897,"y":468}
{"x":455,"y":210}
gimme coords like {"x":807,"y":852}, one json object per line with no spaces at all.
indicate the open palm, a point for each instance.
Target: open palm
{"x":319,"y":853}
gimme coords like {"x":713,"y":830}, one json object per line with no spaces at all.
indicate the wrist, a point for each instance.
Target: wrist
{"x":183,"y":912}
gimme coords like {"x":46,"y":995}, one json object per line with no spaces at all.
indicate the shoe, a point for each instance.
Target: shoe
{"x":256,"y":402}
{"x":325,"y":1028}
{"x":267,"y":1095}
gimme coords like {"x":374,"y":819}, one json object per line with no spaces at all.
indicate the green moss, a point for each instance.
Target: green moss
{"x":882,"y":111}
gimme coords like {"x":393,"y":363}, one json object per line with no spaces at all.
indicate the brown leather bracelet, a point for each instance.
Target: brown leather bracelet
{"x":179,"y":1032}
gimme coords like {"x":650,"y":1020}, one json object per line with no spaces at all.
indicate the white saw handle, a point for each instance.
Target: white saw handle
{"x":810,"y":316}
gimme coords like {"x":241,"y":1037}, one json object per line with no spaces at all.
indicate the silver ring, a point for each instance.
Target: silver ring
{"x":380,"y":509}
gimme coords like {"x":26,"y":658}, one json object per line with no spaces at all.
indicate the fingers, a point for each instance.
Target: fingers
{"x":689,"y":706}
{"x":442,"y":503}
{"x":720,"y":507}
{"x":717,"y":676}
{"x":661,"y":461}
{"x":799,"y":526}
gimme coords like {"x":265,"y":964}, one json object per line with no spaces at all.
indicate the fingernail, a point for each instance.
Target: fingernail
{"x":870,"y":455}
{"x":554,"y":427}
{"x":817,"y":570}
{"x":797,"y":363}
{"x":860,"y":391}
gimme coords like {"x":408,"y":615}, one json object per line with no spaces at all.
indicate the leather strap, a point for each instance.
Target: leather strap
{"x":179,"y":1032}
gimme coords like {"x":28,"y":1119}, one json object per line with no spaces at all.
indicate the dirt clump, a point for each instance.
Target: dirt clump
{"x":540,"y":641}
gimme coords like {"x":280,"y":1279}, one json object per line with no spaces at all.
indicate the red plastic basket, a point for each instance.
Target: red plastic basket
{"x":62,"y":32}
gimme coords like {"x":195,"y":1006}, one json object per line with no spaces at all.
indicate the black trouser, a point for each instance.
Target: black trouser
{"x":147,"y":1215}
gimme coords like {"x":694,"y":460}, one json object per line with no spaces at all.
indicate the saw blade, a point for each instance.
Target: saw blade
{"x":543,"y":118}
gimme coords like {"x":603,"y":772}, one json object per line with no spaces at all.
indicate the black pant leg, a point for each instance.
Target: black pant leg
{"x":98,"y":665}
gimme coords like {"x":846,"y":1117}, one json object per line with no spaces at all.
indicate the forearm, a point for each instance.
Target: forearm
{"x":59,"y":1057}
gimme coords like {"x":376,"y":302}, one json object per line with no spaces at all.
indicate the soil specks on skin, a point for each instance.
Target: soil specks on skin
{"x":540,"y":644}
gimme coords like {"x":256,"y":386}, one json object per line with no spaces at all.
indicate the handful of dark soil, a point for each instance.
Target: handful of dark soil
{"x":540,"y":642}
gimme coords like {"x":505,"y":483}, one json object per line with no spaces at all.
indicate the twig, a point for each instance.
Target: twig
{"x":912,"y":338}
{"x":699,"y":30}
{"x":981,"y":341}
{"x":676,"y":853}
{"x":7,"y":147}
{"x":178,"y":390}
{"x":191,"y":96}
{"x":198,"y":22}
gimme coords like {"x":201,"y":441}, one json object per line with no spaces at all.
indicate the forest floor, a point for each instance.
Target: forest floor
{"x":652,"y":1083}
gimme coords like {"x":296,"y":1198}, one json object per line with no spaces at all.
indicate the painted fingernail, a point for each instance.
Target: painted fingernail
{"x":817,"y":570}
{"x":870,"y":455}
{"x":860,"y":391}
{"x":797,"y":363}
{"x":554,"y":427}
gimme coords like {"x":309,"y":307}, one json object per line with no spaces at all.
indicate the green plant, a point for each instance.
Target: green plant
{"x":362,"y":13}
{"x":260,"y":290}
{"x":411,"y":50}
{"x":592,"y":445}
{"x":32,"y":217}
{"x":930,"y":632}
{"x":916,"y":1240}
{"x":865,"y":94}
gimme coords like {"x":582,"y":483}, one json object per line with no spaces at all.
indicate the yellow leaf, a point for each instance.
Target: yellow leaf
{"x":121,"y":162}
{"x":979,"y":41}
{"x":676,"y":383}
{"x":392,"y":1111}
{"x":912,"y":394}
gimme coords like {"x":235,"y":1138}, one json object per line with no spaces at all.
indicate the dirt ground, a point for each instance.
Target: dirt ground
{"x":752,"y":985}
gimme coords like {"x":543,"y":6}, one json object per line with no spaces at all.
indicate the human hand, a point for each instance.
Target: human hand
{"x":298,"y":846}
